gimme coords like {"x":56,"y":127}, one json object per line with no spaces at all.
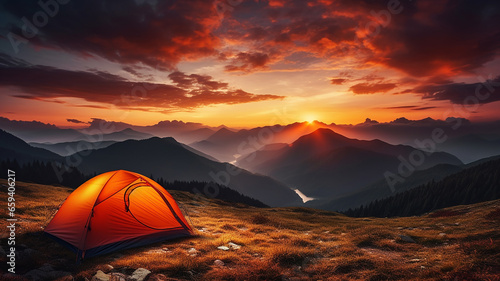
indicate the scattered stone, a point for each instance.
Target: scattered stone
{"x":116,"y":276}
{"x":156,"y":251}
{"x":326,"y":232}
{"x":233,"y":246}
{"x":400,"y":227}
{"x":139,"y":274}
{"x":192,"y":252}
{"x":218,"y":263}
{"x":101,"y":276}
{"x":415,"y":260}
{"x":457,"y":223}
{"x":406,"y":238}
{"x":45,"y":272}
{"x":224,"y":248}
{"x":442,"y":234}
{"x":107,"y":268}
{"x":165,"y":249}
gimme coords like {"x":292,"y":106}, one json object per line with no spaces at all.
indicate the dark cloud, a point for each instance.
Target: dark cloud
{"x":411,"y":107}
{"x":190,"y":91}
{"x":158,"y":34}
{"x":76,"y":121}
{"x":427,"y":38}
{"x":440,"y":38}
{"x":338,"y":81}
{"x":401,"y":107}
{"x":371,"y":88}
{"x":460,"y":93}
{"x":248,"y":61}
{"x":18,"y":125}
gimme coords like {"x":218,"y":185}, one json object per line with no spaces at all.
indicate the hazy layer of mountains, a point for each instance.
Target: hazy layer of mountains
{"x":337,"y":165}
{"x":158,"y":157}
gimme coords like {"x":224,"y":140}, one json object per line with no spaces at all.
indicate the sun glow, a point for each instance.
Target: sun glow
{"x":310,"y":118}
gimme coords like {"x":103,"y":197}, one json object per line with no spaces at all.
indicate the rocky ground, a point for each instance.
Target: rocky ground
{"x":236,"y":242}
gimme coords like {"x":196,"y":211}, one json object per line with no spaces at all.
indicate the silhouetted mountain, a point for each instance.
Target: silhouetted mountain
{"x":225,"y":193}
{"x":381,"y":189}
{"x":67,"y":148}
{"x":186,"y":132}
{"x":325,"y":164}
{"x":403,"y":130}
{"x":225,"y":144}
{"x":472,"y":147}
{"x":170,"y":160}
{"x":14,"y":148}
{"x":472,"y":185}
{"x":126,"y":134}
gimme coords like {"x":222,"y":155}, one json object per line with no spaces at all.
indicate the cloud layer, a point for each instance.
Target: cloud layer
{"x":189,"y":91}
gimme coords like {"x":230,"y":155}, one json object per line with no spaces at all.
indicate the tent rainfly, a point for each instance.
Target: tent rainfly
{"x":114,"y":211}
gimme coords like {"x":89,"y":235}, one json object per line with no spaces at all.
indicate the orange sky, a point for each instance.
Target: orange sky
{"x":253,"y":63}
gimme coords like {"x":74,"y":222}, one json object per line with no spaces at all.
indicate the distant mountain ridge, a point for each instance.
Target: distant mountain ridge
{"x":472,"y":185}
{"x":169,"y":159}
{"x":325,"y":164}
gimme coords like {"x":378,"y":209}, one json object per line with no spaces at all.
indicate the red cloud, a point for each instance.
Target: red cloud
{"x":158,"y":34}
{"x":367,"y":88}
{"x":190,"y":91}
{"x":246,"y":61}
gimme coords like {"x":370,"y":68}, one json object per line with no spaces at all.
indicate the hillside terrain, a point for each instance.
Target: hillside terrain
{"x":459,"y":243}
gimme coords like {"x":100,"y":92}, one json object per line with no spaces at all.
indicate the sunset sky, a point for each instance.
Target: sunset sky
{"x":249,"y":63}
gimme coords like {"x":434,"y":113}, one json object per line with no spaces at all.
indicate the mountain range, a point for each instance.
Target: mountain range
{"x":325,"y":164}
{"x":158,"y":157}
{"x":266,"y":163}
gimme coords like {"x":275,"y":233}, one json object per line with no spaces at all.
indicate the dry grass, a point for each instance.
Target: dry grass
{"x":460,"y":243}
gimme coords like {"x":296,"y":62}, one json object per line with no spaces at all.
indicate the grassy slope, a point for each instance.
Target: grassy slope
{"x":284,"y":243}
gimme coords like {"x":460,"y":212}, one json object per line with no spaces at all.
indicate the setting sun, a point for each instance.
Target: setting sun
{"x":310,"y":118}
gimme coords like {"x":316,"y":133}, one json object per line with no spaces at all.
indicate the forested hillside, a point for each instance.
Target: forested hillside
{"x":476,"y":184}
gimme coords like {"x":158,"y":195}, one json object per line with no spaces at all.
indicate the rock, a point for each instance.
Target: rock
{"x":224,"y":248}
{"x":218,"y":263}
{"x":192,"y":252}
{"x":45,"y":272}
{"x":116,"y":276}
{"x":164,"y":249}
{"x":442,"y":234}
{"x":139,"y":274}
{"x":101,"y":276}
{"x":415,"y":260}
{"x":155,"y":251}
{"x":406,"y":238}
{"x":107,"y":268}
{"x":233,"y":246}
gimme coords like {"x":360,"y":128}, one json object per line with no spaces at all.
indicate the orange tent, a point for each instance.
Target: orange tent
{"x":117,"y":210}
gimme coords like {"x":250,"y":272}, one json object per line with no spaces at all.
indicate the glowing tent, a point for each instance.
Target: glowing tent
{"x":117,"y":210}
